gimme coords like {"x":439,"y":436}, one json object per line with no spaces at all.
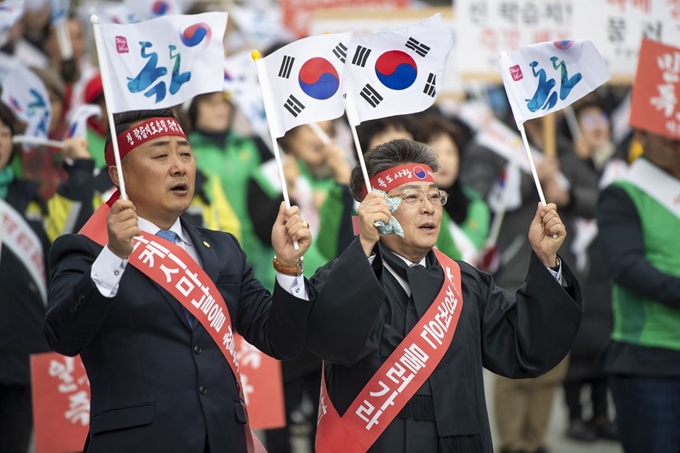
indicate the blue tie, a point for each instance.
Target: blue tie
{"x":172,"y":237}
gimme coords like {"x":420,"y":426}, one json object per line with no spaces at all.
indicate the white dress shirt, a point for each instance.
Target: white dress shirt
{"x":107,"y":269}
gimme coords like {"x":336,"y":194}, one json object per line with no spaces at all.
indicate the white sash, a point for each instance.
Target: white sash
{"x":17,"y":235}
{"x":657,"y":184}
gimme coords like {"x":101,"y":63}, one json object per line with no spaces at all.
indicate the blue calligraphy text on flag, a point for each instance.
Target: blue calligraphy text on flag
{"x":148,"y":75}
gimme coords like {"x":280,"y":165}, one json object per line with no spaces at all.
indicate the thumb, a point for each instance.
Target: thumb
{"x":537,"y":217}
{"x":282,"y":212}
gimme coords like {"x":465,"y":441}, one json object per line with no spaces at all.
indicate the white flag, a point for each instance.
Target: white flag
{"x":546,"y":77}
{"x":240,"y":80}
{"x":77,"y":120}
{"x":305,"y":81}
{"x":163,"y":62}
{"x":25,"y":94}
{"x":10,"y":12}
{"x":59,"y":10}
{"x":399,"y":71}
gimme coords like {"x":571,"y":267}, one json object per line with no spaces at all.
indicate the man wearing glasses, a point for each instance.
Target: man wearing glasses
{"x":405,"y":331}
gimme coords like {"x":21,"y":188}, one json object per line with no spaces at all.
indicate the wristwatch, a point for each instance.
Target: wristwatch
{"x":293,"y":271}
{"x":556,"y":267}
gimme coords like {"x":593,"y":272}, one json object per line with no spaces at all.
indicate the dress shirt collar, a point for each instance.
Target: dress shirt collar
{"x":149,"y":227}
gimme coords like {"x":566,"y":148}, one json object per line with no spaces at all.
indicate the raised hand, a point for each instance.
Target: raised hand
{"x":547,"y":233}
{"x":122,"y":226}
{"x":289,"y":226}
{"x":373,"y":208}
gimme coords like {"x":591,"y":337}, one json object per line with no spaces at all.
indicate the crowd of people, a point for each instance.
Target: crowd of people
{"x":617,"y":269}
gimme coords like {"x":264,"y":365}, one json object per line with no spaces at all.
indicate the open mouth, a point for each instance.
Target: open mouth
{"x":428,"y":227}
{"x":180,"y":188}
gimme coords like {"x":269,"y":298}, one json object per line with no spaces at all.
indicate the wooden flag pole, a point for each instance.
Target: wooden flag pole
{"x":269,"y":110}
{"x":549,"y":136}
{"x":108,"y":98}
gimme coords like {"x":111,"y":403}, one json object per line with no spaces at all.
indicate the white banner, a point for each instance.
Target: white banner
{"x":17,"y":236}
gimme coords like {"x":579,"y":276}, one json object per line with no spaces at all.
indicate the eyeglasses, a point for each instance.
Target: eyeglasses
{"x":416,"y":197}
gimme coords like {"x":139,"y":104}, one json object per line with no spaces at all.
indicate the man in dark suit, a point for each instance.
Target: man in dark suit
{"x":159,"y":381}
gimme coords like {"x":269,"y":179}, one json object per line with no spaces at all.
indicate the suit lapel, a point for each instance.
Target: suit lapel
{"x":204,"y":250}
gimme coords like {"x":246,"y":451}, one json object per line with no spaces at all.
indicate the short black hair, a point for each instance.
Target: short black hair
{"x":126,"y":120}
{"x":388,"y":155}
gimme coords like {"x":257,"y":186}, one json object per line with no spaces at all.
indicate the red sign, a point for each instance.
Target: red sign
{"x":61,"y":397}
{"x":61,"y":403}
{"x":297,"y":14}
{"x":656,"y":90}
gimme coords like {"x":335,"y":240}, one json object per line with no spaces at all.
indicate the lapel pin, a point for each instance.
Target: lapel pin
{"x":206,"y":244}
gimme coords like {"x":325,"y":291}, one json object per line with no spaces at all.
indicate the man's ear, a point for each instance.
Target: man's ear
{"x":113,"y":174}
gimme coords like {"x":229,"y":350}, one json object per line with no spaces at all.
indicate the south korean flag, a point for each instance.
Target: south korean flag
{"x":396,"y":72}
{"x":304,"y":81}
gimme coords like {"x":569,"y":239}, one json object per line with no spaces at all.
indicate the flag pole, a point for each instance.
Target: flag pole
{"x":26,"y":140}
{"x":353,"y":119}
{"x":320,"y":133}
{"x":537,"y":182}
{"x":108,"y":97}
{"x":269,"y":110}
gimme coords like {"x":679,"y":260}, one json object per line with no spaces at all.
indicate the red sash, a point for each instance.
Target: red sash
{"x":400,"y":376}
{"x":175,"y":270}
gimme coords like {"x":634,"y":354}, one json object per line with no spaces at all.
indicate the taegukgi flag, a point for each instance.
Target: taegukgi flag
{"x":163,"y":62}
{"x":77,"y":120}
{"x":25,"y":94}
{"x":543,"y":78}
{"x":305,"y":81}
{"x":398,"y":71}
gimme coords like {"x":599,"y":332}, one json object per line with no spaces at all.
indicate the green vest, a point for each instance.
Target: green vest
{"x":234,"y":164}
{"x":641,"y":320}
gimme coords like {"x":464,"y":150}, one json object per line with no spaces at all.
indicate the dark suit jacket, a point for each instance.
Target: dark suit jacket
{"x":157,"y":385}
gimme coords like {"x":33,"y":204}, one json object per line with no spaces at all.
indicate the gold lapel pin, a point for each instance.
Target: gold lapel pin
{"x":206,"y":244}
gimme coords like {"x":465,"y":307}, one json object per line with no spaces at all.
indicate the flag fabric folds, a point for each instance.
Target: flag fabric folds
{"x":305,"y":81}
{"x":25,"y":94}
{"x":163,"y":62}
{"x":399,"y":71}
{"x":543,"y":78}
{"x":77,"y":120}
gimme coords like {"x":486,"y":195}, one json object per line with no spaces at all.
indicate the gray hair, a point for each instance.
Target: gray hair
{"x":388,"y":155}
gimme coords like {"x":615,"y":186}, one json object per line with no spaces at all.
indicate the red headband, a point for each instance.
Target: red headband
{"x":398,"y":176}
{"x":142,"y":133}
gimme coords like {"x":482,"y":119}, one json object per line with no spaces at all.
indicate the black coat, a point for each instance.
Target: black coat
{"x":22,"y":309}
{"x":362,"y":314}
{"x":158,"y":385}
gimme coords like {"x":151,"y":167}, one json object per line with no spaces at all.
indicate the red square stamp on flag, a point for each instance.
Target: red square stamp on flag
{"x":516,"y":73}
